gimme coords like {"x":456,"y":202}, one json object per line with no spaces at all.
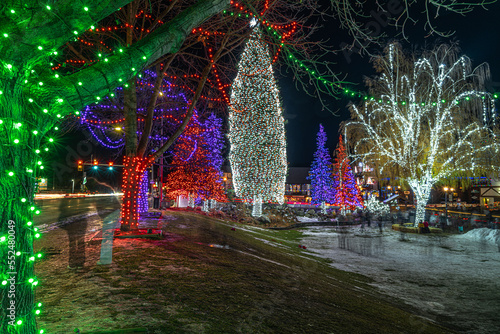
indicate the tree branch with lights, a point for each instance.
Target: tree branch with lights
{"x":33,"y":99}
{"x":430,"y":120}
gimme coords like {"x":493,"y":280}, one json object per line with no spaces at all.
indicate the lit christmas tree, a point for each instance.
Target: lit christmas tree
{"x":320,"y":173}
{"x":195,"y":157}
{"x":346,"y":193}
{"x":256,"y":128}
{"x":213,"y":143}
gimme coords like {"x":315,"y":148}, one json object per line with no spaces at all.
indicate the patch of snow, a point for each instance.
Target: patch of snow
{"x":307,"y":219}
{"x":482,"y":234}
{"x":267,"y":260}
{"x":44,"y":228}
{"x":444,"y":277}
{"x":272,"y":243}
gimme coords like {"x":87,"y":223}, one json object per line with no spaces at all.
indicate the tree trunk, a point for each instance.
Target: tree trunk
{"x":257,"y":207}
{"x":18,"y":294}
{"x":133,"y":172}
{"x":421,"y":190}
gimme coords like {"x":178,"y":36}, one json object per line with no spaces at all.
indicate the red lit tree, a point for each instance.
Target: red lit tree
{"x":346,"y":192}
{"x":196,"y":174}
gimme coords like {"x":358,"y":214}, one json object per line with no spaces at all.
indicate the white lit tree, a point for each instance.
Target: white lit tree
{"x":428,"y":119}
{"x":256,"y":128}
{"x":376,"y":207}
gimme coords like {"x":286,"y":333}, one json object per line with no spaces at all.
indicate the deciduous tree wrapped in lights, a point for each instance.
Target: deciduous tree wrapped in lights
{"x":320,"y":173}
{"x":346,"y":193}
{"x":33,"y":99}
{"x":196,"y":156}
{"x":256,"y":127}
{"x":431,"y":120}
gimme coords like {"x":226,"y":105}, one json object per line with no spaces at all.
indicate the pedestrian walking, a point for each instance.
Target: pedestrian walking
{"x":426,"y":229}
{"x":156,"y":198}
{"x":442,"y":220}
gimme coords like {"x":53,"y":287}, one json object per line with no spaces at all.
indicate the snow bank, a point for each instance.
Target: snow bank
{"x":482,"y":234}
{"x":307,"y":219}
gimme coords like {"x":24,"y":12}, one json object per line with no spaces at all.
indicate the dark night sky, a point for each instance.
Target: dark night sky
{"x":478,"y":36}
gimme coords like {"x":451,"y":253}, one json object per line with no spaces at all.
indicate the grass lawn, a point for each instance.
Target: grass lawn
{"x":204,"y":277}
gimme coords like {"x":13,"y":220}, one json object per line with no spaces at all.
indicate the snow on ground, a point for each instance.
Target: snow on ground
{"x":483,"y":234}
{"x":307,"y":219}
{"x":450,"y":279}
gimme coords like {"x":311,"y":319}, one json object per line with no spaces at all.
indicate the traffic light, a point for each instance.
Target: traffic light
{"x":96,"y":163}
{"x":110,"y":164}
{"x":80,"y":165}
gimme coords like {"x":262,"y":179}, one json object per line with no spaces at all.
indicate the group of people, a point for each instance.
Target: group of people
{"x":424,"y":227}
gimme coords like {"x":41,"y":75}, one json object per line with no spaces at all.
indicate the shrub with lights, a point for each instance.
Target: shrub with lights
{"x":375,"y":207}
{"x":256,"y":128}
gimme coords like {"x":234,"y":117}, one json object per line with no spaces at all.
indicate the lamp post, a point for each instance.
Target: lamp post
{"x":446,"y":202}
{"x":72,"y":186}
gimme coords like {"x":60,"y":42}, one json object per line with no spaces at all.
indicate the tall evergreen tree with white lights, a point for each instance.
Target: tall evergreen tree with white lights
{"x":256,"y":128}
{"x":320,"y":173}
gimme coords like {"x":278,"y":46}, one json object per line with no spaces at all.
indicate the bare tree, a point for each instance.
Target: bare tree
{"x":428,"y":119}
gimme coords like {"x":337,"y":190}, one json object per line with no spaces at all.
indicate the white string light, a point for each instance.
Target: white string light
{"x":426,"y":141}
{"x":256,"y":127}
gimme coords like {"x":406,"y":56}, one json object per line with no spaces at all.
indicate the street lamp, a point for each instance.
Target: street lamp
{"x":72,"y":186}
{"x":446,"y":202}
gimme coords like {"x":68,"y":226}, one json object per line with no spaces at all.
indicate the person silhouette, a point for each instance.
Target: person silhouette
{"x":104,"y":207}
{"x":76,"y":233}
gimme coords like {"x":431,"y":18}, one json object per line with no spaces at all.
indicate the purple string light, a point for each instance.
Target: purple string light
{"x":142,"y":201}
{"x":91,"y":118}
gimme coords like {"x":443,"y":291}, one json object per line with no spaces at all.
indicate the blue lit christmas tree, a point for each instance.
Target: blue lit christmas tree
{"x":214,"y":141}
{"x":320,"y":173}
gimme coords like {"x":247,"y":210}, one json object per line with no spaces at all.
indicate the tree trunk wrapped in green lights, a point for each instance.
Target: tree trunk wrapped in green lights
{"x":33,"y":99}
{"x":257,"y":131}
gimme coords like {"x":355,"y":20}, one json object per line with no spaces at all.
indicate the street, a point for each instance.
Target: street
{"x":60,"y":210}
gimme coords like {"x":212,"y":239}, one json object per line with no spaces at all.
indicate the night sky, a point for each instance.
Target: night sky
{"x":477,"y":34}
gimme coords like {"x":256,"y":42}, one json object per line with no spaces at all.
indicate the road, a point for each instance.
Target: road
{"x":60,"y":209}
